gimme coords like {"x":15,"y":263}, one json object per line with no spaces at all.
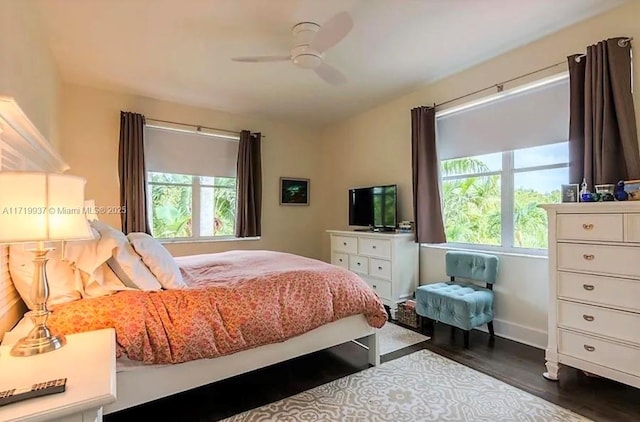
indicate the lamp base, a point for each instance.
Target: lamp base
{"x":29,"y":347}
{"x":39,"y":340}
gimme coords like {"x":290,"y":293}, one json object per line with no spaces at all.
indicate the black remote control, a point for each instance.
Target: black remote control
{"x":36,"y":390}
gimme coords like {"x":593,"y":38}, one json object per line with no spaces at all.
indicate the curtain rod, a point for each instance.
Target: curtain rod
{"x":500,"y":86}
{"x":198,"y":128}
{"x":621,"y":43}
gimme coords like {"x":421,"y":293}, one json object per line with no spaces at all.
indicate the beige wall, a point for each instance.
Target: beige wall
{"x":90,"y":127}
{"x":375,"y":147}
{"x":27,"y":69}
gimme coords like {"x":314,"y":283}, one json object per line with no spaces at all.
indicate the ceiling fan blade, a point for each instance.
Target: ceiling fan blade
{"x":330,"y":74}
{"x":261,"y":59}
{"x":332,"y":32}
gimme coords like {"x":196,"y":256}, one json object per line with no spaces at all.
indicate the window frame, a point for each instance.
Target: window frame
{"x":195,"y":186}
{"x":507,"y":204}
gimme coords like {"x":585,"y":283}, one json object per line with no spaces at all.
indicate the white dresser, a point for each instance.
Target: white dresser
{"x":594,"y":289}
{"x":388,"y":262}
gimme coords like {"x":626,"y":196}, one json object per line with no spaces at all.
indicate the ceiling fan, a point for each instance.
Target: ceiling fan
{"x":310,"y":43}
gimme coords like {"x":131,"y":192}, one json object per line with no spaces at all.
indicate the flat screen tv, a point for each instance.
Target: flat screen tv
{"x":375,"y":207}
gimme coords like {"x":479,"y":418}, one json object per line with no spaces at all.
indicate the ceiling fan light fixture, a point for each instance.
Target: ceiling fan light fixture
{"x":310,"y":42}
{"x":308,"y":60}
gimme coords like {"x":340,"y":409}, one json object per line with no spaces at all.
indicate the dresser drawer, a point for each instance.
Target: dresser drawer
{"x":359,"y":264}
{"x":381,"y":287}
{"x":346,"y":244}
{"x":606,"y":322}
{"x":604,"y":227}
{"x":609,"y":291}
{"x":380,"y":268}
{"x":379,"y":248}
{"x":340,"y":259}
{"x":612,"y":355}
{"x":616,"y":260}
{"x":632,"y":228}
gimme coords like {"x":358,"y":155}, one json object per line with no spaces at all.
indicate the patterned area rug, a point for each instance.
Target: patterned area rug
{"x":392,"y":337}
{"x":422,"y":386}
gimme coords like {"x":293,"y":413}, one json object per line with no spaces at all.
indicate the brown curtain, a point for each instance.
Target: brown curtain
{"x":603,"y":134}
{"x":249,"y":200}
{"x":132,"y":172}
{"x":427,"y":210}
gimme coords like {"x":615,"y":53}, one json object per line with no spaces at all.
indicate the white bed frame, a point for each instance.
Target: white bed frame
{"x":22,"y":147}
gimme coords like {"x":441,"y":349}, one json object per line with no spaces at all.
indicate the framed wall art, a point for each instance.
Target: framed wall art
{"x":294,"y":191}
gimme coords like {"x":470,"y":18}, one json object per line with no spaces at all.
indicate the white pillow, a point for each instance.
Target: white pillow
{"x":158,"y":259}
{"x":88,"y":255}
{"x":60,"y":276}
{"x":102,"y":282}
{"x":89,"y":259}
{"x":125,"y":262}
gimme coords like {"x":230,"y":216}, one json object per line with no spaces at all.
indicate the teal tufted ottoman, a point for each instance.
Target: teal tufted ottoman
{"x":461,"y":304}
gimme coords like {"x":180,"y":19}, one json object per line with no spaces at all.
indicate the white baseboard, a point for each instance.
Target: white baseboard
{"x":520,"y":333}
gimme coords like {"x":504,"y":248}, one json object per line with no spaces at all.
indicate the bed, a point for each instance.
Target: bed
{"x":22,"y":147}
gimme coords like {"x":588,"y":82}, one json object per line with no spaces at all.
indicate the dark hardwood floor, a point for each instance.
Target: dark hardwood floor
{"x":514,"y":363}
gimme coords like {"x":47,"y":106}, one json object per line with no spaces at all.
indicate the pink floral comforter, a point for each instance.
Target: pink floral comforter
{"x":237,"y":300}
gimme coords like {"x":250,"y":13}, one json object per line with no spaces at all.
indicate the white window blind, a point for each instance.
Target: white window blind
{"x":520,"y":118}
{"x":175,"y":151}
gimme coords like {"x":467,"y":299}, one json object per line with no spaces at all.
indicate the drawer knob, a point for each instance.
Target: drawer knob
{"x":344,"y":243}
{"x":358,"y":263}
{"x":379,"y":268}
{"x":589,"y":348}
{"x":587,"y":226}
{"x":588,"y":287}
{"x":588,"y":257}
{"x":374,"y":286}
{"x":374,"y":246}
{"x":340,"y":260}
{"x":588,"y":317}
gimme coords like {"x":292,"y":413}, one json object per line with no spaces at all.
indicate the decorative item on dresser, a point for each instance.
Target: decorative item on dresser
{"x":594,"y":289}
{"x":388,"y":262}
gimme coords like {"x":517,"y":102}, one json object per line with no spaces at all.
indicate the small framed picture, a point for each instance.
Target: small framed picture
{"x":632,"y":187}
{"x":570,"y":193}
{"x":294,"y":191}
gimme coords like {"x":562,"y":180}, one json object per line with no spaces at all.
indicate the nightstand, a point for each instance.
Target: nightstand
{"x":88,"y":361}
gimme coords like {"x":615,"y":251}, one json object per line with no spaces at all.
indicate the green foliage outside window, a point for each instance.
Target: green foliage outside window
{"x":171,"y":211}
{"x":472,"y":207}
{"x":224,"y":204}
{"x":172,"y":198}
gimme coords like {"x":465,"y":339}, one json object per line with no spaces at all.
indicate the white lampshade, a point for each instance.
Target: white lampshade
{"x":42,"y":207}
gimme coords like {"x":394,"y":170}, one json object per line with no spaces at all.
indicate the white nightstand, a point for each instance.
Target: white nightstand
{"x":88,"y":361}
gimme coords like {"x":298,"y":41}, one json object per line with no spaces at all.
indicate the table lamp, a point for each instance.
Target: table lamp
{"x":37,"y":208}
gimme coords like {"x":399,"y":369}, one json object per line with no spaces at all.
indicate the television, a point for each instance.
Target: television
{"x":375,"y":207}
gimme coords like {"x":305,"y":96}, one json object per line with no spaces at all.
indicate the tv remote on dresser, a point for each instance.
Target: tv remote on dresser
{"x":36,"y":390}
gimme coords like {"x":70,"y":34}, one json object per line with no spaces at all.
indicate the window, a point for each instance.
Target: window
{"x":186,"y":206}
{"x":493,"y":199}
{"x":501,"y":158}
{"x":191,"y":184}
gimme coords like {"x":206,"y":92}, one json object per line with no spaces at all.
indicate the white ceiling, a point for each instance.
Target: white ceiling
{"x":180,"y":50}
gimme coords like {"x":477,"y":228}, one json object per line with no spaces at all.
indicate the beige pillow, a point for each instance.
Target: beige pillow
{"x":125,"y":262}
{"x":158,"y":259}
{"x":60,"y":276}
